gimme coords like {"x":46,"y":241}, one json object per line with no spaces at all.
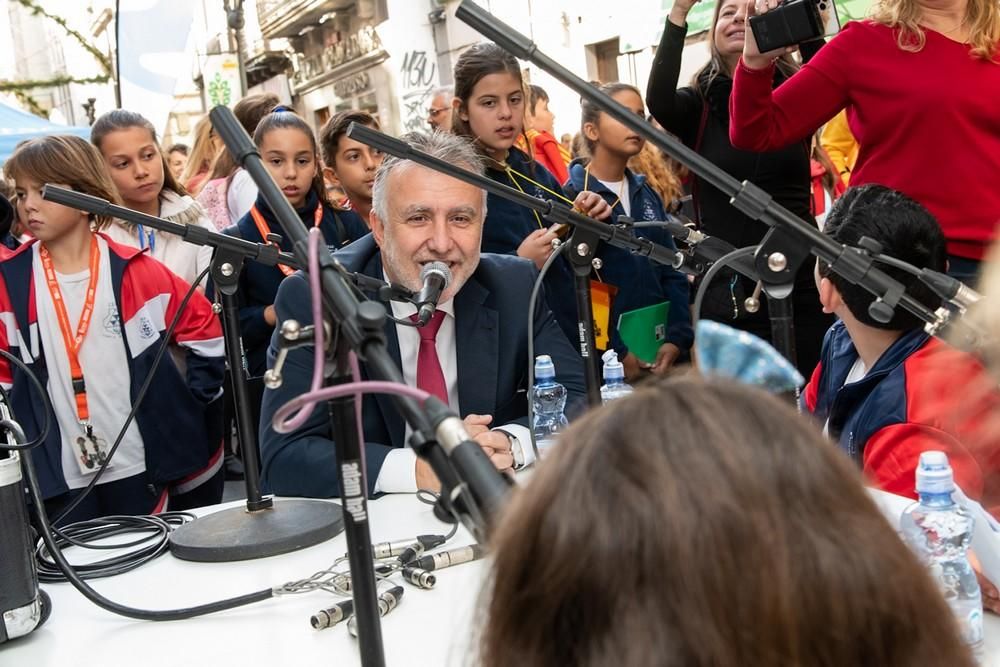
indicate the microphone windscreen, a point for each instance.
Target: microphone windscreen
{"x":436,"y":267}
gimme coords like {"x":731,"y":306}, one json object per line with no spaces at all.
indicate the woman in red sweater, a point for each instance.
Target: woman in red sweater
{"x":919,"y":81}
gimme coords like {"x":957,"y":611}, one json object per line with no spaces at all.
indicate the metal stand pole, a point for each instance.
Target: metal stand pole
{"x":354,"y":494}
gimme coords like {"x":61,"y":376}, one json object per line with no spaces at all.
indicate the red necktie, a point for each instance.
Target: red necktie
{"x":430,"y":377}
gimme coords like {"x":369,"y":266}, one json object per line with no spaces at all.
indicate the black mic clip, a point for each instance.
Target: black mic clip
{"x":292,"y":335}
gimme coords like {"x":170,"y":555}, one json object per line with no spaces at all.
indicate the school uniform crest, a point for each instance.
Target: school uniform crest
{"x":113,"y":322}
{"x":146,"y":329}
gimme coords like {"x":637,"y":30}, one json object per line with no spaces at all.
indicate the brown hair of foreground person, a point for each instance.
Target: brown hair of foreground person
{"x":705,"y":523}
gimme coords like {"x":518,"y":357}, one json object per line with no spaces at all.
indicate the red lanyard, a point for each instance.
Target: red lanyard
{"x":265,"y":230}
{"x":73,"y":343}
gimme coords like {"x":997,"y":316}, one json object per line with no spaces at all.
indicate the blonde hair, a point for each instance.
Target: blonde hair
{"x":981,"y":16}
{"x":202,"y":152}
{"x":65,"y":159}
{"x":985,"y":315}
{"x":650,"y":163}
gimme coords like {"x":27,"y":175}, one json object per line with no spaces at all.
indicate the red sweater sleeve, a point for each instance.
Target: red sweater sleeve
{"x":893,"y":453}
{"x":760,"y":120}
{"x":547,"y":153}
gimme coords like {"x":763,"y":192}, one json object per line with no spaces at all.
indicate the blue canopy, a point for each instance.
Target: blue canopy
{"x":16,"y":126}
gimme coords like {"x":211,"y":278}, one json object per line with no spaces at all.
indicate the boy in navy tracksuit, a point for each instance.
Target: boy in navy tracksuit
{"x":886,"y":392}
{"x":87,"y":317}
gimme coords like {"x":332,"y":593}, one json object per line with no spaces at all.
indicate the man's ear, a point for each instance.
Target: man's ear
{"x":377,"y":227}
{"x":330,"y":176}
{"x":829,"y":296}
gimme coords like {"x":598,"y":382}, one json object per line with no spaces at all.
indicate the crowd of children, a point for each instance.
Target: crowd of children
{"x":86,"y":299}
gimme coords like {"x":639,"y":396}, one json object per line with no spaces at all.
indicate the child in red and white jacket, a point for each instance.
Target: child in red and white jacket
{"x":87,"y":316}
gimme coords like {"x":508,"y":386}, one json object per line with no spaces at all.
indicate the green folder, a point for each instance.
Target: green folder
{"x":644,"y":330}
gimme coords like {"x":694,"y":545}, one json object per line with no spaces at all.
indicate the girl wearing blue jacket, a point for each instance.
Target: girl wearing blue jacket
{"x":489,"y":110}
{"x":633,"y":281}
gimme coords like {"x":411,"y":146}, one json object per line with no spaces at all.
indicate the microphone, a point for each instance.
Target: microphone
{"x":950,"y":289}
{"x":475,"y":471}
{"x":449,"y":558}
{"x":436,"y":276}
{"x":682,"y":232}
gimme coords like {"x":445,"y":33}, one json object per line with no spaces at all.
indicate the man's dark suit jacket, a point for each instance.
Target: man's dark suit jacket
{"x":491,"y":335}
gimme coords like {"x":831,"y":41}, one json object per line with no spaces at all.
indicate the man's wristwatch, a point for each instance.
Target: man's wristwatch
{"x":515,"y":449}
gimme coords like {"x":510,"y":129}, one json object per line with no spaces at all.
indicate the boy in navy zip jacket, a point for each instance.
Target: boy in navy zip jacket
{"x":887,"y":392}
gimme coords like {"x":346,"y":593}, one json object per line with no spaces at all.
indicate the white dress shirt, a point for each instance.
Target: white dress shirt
{"x":398,"y":473}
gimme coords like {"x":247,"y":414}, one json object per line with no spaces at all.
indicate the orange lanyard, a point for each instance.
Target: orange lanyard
{"x":73,"y":343}
{"x":264,"y":230}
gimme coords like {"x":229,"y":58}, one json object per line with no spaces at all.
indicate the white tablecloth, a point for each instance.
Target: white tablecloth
{"x":428,"y":628}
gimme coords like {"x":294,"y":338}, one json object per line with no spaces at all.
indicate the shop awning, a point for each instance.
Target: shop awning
{"x":17,"y":126}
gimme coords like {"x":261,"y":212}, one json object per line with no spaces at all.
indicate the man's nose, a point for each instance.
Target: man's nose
{"x":440,"y":240}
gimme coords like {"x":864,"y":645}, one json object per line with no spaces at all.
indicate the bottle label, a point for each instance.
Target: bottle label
{"x":972,"y":627}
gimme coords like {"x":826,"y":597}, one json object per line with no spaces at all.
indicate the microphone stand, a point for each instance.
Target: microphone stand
{"x":263,"y":528}
{"x":789,"y":241}
{"x":474,"y":486}
{"x":587,"y":232}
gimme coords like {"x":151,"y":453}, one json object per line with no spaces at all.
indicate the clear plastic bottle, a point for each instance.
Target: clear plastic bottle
{"x":939,"y":530}
{"x":548,"y":399}
{"x":614,"y":386}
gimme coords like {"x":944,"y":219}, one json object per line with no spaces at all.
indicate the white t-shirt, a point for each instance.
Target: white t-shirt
{"x":105,"y":371}
{"x":187,"y":260}
{"x":620,"y":189}
{"x":857,"y":372}
{"x":241,"y":195}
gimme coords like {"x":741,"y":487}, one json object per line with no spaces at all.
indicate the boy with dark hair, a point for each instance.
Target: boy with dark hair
{"x":889,"y":391}
{"x":348,"y":163}
{"x":538,"y":129}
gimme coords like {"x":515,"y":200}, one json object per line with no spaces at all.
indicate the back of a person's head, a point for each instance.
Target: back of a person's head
{"x":705,"y":523}
{"x":905,"y":230}
{"x":252,"y":108}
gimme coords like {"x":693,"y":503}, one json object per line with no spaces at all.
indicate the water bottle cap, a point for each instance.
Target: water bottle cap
{"x":544,"y":368}
{"x":934,"y":474}
{"x":613,"y":369}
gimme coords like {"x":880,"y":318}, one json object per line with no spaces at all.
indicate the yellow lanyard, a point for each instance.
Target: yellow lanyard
{"x":511,"y":173}
{"x":621,"y":190}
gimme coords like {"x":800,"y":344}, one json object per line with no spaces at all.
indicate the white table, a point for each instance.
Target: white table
{"x":428,"y":628}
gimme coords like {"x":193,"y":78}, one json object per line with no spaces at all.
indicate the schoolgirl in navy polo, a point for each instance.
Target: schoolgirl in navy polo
{"x":489,"y":109}
{"x":634,"y":281}
{"x":289,"y":150}
{"x":87,"y":315}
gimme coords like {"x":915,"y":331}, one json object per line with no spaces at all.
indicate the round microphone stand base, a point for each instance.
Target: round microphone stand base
{"x":239,"y":534}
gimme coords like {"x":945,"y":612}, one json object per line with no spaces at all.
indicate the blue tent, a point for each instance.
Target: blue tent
{"x":16,"y":126}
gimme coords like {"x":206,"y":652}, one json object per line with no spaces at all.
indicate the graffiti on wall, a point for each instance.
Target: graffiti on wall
{"x":418,"y":74}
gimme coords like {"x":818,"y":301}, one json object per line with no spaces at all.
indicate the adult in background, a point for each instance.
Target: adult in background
{"x":177,"y":156}
{"x":699,"y":116}
{"x":639,"y":541}
{"x":918,"y":81}
{"x":473,"y":354}
{"x":439,"y":112}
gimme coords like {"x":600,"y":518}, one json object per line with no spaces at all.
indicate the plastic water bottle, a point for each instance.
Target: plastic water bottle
{"x":548,"y":400}
{"x":939,"y":530}
{"x":614,"y":386}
